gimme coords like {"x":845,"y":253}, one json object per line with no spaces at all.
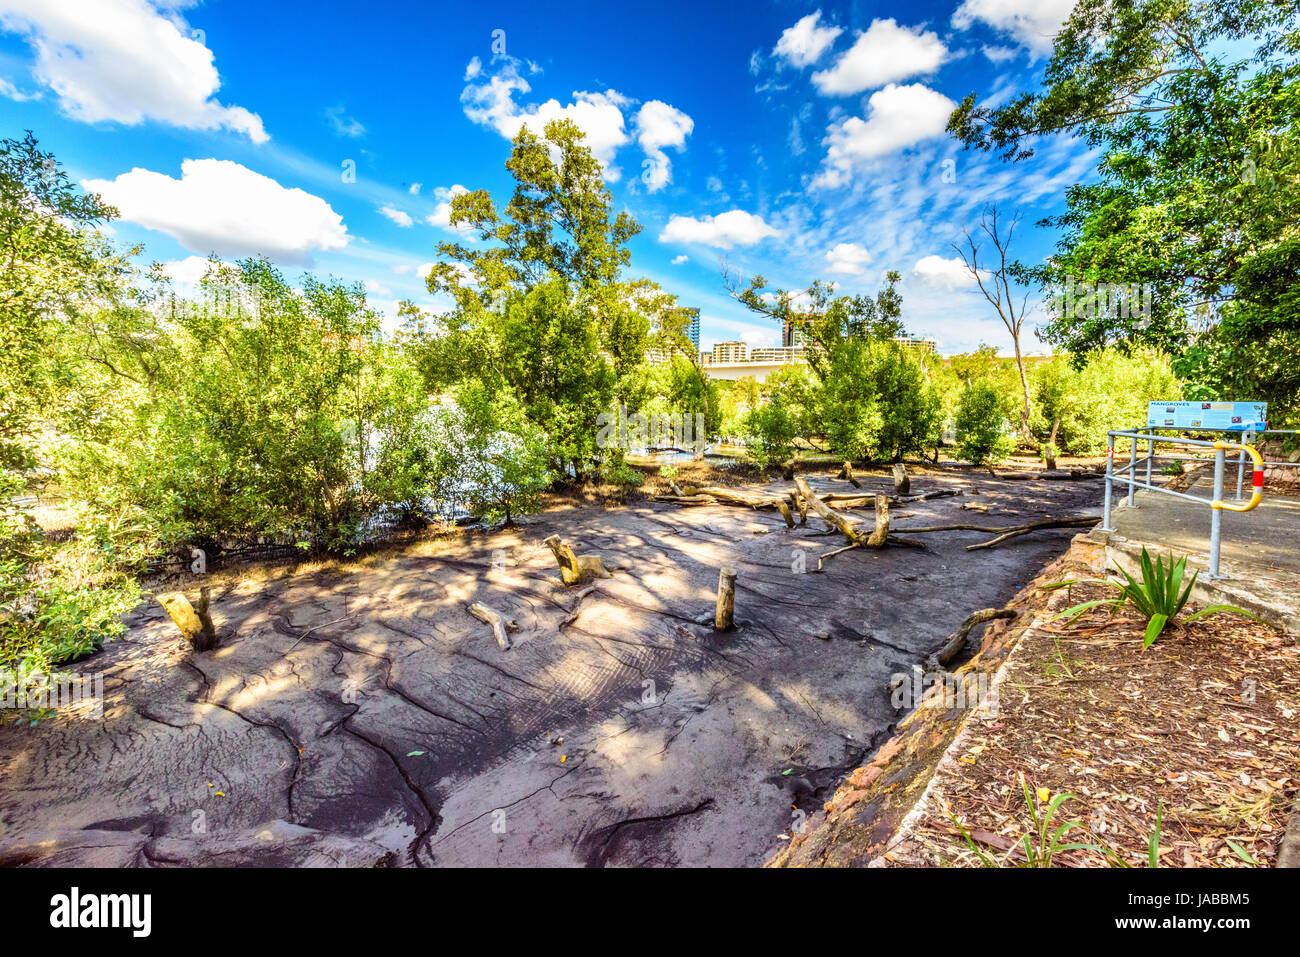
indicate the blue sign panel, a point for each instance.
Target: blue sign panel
{"x":1233,"y":416}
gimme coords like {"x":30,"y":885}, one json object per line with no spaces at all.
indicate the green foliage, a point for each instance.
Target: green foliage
{"x":58,"y":600}
{"x":262,"y":422}
{"x":983,"y":436}
{"x":868,"y":397}
{"x":1109,"y":389}
{"x":1157,"y":596}
{"x":542,"y":309}
{"x":620,"y":473}
{"x":1044,"y":840}
{"x":772,"y":430}
{"x":1198,"y":188}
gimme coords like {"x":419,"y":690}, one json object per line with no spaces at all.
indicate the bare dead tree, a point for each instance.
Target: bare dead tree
{"x":995,"y":282}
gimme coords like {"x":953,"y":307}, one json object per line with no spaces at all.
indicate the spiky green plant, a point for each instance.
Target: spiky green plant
{"x":1159,"y":596}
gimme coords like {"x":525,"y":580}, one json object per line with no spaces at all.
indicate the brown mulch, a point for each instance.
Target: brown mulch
{"x":1206,"y":723}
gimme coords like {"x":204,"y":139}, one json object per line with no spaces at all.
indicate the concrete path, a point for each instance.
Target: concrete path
{"x":1259,"y":554}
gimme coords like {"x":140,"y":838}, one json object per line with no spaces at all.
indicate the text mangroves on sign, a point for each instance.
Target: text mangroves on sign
{"x":1234,"y":416}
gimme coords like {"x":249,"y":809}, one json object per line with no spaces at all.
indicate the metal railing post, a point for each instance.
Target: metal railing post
{"x":1132,"y":469}
{"x":1216,"y":519}
{"x":1151,"y":451}
{"x":1110,"y":475}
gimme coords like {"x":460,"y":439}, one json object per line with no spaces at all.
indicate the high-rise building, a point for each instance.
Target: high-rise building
{"x":792,"y":333}
{"x":730,"y":352}
{"x":693,"y":328}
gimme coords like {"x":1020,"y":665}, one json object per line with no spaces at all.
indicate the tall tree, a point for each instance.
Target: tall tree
{"x":994,"y":279}
{"x":542,"y":306}
{"x":1197,"y":198}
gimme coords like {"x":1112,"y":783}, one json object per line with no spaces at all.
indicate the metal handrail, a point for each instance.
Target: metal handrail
{"x":1127,"y":475}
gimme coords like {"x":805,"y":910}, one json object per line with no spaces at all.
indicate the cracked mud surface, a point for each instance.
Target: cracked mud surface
{"x":673,"y":739}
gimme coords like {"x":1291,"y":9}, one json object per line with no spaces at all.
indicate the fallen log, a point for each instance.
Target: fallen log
{"x":784,"y":507}
{"x":194,"y":622}
{"x":1017,"y":531}
{"x":1082,"y":520}
{"x":924,"y":496}
{"x":498,"y":621}
{"x":828,"y":514}
{"x":1066,"y":475}
{"x":731,"y":496}
{"x":724,"y":612}
{"x":575,"y":570}
{"x":686,"y":499}
{"x":957,"y":640}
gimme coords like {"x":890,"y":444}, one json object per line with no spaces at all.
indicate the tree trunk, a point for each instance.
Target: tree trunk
{"x":195,"y":624}
{"x":724,"y":614}
{"x":575,"y":570}
{"x":1024,"y":387}
{"x":902,"y":484}
{"x":880,"y":534}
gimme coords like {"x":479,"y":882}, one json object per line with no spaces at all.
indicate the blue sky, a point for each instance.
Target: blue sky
{"x":797,"y":140}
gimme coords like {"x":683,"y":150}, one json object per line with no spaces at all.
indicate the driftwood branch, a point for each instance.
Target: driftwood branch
{"x":828,"y":514}
{"x":1019,"y":530}
{"x":846,"y":472}
{"x":499,"y":622}
{"x":954,"y":643}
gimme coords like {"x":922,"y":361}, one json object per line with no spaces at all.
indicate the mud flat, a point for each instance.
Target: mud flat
{"x":362,"y":715}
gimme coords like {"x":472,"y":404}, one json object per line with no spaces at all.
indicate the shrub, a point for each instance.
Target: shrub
{"x":620,"y":473}
{"x":771,"y":429}
{"x":1110,"y":391}
{"x":1157,"y":596}
{"x":982,"y":427}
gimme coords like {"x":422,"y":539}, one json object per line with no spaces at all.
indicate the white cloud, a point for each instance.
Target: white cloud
{"x":659,"y":126}
{"x":803,"y":44}
{"x":733,"y":228}
{"x":11,"y":92}
{"x":949,"y":274}
{"x":125,"y":61}
{"x":490,"y":102}
{"x":885,"y":53}
{"x":441,"y":215}
{"x":344,"y":125}
{"x":897,"y":117}
{"x":396,"y":215}
{"x":223,"y":207}
{"x":848,"y":258}
{"x":375,"y":288}
{"x":678,"y":260}
{"x":415,"y":189}
{"x":186,"y":273}
{"x":998,"y":54}
{"x":1032,"y":23}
